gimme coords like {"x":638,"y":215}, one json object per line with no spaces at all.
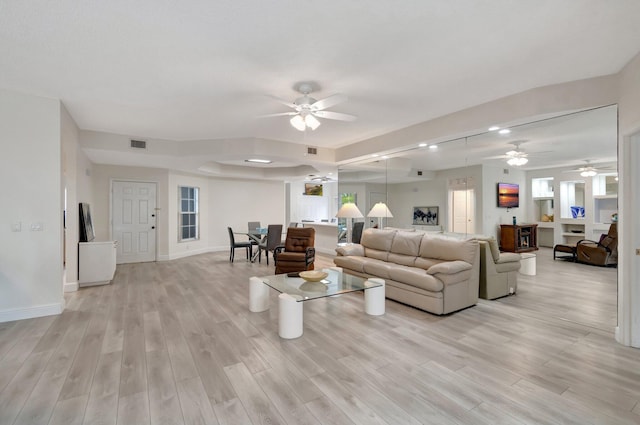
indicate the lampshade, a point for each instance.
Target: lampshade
{"x":588,"y":173}
{"x":311,"y":122}
{"x":517,"y":161}
{"x":349,"y":210}
{"x":303,"y":120}
{"x":298,"y":122}
{"x":380,"y":210}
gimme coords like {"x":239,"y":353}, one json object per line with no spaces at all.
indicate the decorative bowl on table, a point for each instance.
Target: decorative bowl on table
{"x":313,"y":275}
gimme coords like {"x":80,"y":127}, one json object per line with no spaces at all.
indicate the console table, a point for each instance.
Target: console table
{"x":518,"y":237}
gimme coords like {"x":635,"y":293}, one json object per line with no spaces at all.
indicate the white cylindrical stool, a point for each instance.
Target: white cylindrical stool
{"x":528,"y":264}
{"x":258,"y":295}
{"x":374,"y":298}
{"x":289,"y":317}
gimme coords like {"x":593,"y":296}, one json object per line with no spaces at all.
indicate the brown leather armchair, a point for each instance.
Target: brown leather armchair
{"x":298,"y":252}
{"x":601,"y":253}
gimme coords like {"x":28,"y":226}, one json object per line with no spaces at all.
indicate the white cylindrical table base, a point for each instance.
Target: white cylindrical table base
{"x":258,"y":295}
{"x":528,"y":264}
{"x":374,"y":298}
{"x":289,"y":317}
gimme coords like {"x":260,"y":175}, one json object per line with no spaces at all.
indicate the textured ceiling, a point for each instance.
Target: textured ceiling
{"x":202,"y":70}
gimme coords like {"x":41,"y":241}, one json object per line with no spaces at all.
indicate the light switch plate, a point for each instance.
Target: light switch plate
{"x":36,"y":227}
{"x":16,"y":227}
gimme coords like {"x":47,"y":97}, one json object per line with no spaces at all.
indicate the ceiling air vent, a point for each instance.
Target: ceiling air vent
{"x":138,"y":144}
{"x":312,"y":151}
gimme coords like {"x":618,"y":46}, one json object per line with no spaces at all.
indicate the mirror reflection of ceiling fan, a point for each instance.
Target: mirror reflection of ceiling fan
{"x":308,"y":110}
{"x":589,"y":170}
{"x":323,"y":179}
{"x":516,"y":156}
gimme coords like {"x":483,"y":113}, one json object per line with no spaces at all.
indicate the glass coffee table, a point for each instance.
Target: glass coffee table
{"x":294,"y":291}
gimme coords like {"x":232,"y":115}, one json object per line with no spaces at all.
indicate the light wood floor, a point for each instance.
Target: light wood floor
{"x":174,"y":343}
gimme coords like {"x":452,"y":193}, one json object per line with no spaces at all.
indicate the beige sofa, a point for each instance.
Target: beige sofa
{"x":431,"y":272}
{"x":498,"y":270}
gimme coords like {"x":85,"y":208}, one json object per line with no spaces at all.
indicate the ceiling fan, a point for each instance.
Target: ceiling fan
{"x":323,"y":179}
{"x":589,"y":170}
{"x":515,"y":157}
{"x":308,"y":110}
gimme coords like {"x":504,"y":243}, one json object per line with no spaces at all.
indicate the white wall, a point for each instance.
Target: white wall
{"x":233,"y":203}
{"x":31,"y":282}
{"x":317,"y":208}
{"x":404,"y":196}
{"x":103,"y":175}
{"x":492,"y":216}
{"x":70,"y":153}
{"x":628,"y":331}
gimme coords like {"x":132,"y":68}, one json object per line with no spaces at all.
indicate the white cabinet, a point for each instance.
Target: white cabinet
{"x":96,"y":262}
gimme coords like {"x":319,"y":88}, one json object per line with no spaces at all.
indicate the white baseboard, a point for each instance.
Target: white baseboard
{"x":184,"y":254}
{"x":31,"y":312}
{"x":70,"y":286}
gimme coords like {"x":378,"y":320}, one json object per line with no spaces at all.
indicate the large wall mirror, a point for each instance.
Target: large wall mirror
{"x":451,"y":185}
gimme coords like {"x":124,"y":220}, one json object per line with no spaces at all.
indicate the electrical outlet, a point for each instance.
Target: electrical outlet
{"x":512,"y":291}
{"x":16,"y":227}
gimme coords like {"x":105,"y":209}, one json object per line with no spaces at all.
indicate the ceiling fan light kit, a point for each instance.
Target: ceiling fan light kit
{"x":308,"y":109}
{"x":517,"y":161}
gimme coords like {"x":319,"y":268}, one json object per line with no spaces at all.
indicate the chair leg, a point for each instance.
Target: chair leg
{"x":231,"y":252}
{"x":266,"y":254}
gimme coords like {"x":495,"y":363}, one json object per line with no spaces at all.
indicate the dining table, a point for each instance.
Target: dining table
{"x":258,"y":236}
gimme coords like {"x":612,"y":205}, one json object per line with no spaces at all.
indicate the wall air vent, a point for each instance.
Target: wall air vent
{"x":138,"y":144}
{"x":312,"y":151}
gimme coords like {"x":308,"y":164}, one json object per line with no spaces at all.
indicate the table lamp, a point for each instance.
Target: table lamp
{"x":381,"y":211}
{"x":349,"y":211}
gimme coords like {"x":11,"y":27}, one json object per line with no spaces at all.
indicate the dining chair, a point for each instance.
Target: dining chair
{"x":253,"y":226}
{"x":234,"y":245}
{"x":356,"y":233}
{"x":273,"y":239}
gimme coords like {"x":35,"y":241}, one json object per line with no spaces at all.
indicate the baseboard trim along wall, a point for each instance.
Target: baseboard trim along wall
{"x":70,"y":286}
{"x":31,"y":312}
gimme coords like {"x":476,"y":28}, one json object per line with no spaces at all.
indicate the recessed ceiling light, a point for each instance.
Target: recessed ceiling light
{"x":385,"y":157}
{"x":433,"y":147}
{"x":504,"y":131}
{"x":375,"y":155}
{"x":258,"y":161}
{"x":422,"y":145}
{"x":494,"y":128}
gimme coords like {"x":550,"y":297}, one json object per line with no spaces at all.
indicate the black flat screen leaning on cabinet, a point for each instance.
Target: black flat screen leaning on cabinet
{"x":86,"y":225}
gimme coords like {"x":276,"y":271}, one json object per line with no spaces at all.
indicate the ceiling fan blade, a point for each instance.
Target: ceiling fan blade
{"x":335,"y":116}
{"x":280,"y":114}
{"x":284,"y":102}
{"x":328,"y":102}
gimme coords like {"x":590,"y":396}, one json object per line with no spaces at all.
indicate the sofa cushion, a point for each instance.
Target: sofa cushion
{"x":510,"y":266}
{"x":377,"y":239}
{"x":378,"y":268}
{"x":450,"y":267}
{"x":405,"y":260}
{"x":351,"y":262}
{"x":426,"y":263}
{"x":495,"y":250}
{"x":376,"y":254}
{"x":351,"y":249}
{"x":407,"y":243}
{"x":416,"y":277}
{"x":448,"y":249}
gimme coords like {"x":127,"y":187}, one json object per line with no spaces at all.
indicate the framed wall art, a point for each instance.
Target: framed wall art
{"x":425,"y":216}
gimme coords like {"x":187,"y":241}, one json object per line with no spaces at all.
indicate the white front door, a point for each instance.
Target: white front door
{"x":133,"y":215}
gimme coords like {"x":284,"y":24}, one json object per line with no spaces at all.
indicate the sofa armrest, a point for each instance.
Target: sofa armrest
{"x":508,"y":257}
{"x":449,"y":267}
{"x":353,"y":249}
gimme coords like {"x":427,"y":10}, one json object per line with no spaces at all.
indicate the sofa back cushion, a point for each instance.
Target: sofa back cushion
{"x":377,"y":239}
{"x":448,"y":249}
{"x":406,"y":243}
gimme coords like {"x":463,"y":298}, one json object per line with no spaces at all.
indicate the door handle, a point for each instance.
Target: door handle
{"x":153,"y":227}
